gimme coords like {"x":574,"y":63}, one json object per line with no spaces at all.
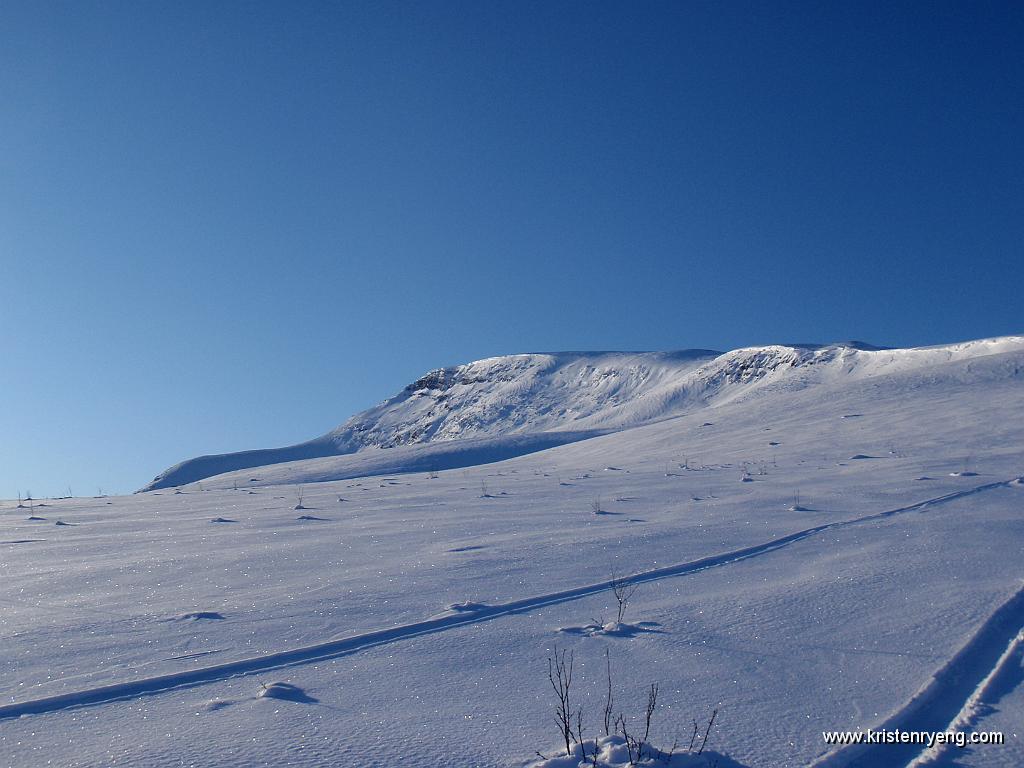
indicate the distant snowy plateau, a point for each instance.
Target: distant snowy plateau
{"x":812,"y":538}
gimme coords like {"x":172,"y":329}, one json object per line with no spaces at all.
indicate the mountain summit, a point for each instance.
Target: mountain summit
{"x":503,"y":406}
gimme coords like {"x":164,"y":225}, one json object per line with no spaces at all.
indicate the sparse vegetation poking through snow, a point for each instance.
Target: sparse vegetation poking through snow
{"x":707,"y":731}
{"x":609,"y":701}
{"x":621,"y":746}
{"x":630,"y":742}
{"x":796,"y":506}
{"x":965,"y":470}
{"x":299,"y":504}
{"x":652,"y":704}
{"x":560,"y":677}
{"x":635,"y":744}
{"x":692,"y":465}
{"x":623,"y":591}
{"x":595,"y":506}
{"x":485,"y":492}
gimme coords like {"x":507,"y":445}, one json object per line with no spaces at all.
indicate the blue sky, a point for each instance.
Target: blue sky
{"x":231,"y":225}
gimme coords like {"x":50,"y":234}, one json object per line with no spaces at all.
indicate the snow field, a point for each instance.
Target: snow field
{"x":793,"y":633}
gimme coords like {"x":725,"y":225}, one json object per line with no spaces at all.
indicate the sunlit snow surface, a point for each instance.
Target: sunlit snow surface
{"x":776,"y":590}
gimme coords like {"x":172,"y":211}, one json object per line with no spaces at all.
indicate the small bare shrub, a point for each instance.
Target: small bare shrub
{"x":623,"y":591}
{"x":560,"y":677}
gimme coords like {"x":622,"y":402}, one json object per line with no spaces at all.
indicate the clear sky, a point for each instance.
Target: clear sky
{"x":232,"y":225}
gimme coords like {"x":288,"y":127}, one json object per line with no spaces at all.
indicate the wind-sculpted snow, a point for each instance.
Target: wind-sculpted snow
{"x":582,"y":392}
{"x":458,"y":614}
{"x":426,"y":457}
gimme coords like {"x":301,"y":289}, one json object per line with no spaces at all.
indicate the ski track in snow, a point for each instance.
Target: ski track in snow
{"x":1002,"y":675}
{"x":949,"y":699}
{"x":947,"y":680}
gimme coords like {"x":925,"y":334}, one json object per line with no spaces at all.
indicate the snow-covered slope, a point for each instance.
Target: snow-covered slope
{"x":576,"y":395}
{"x":830,"y":543}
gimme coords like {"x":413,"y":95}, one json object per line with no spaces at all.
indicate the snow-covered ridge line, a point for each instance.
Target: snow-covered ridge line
{"x":476,"y":614}
{"x":577,"y":391}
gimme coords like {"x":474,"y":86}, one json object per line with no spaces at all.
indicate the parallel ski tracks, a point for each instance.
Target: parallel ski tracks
{"x":947,"y":700}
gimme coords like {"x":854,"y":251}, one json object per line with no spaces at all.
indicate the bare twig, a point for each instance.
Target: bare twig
{"x":630,"y":742}
{"x":579,"y":731}
{"x":667,"y":757}
{"x":707,"y":731}
{"x":608,"y":702}
{"x":652,"y":703}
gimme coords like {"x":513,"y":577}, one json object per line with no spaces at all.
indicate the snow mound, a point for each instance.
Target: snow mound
{"x":613,"y":629}
{"x":199,"y":616}
{"x":612,"y":752}
{"x":285,"y":692}
{"x":466,"y":607}
{"x":214,"y":705}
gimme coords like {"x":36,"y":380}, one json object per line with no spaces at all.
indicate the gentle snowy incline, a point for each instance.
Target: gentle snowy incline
{"x":473,"y":614}
{"x":422,"y":457}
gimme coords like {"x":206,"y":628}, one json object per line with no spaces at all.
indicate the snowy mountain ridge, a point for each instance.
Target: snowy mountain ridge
{"x":579,"y":394}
